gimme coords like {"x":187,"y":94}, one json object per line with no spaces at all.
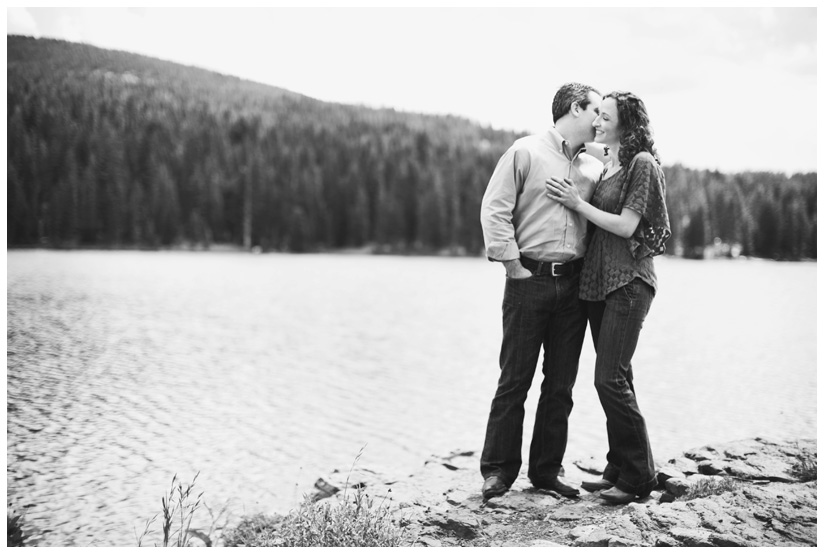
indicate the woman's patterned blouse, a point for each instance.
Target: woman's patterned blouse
{"x":612,"y":261}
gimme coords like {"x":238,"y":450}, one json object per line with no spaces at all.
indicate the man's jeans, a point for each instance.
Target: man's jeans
{"x":615,"y":324}
{"x":537,"y":311}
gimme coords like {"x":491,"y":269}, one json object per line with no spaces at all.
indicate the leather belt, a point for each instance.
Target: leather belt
{"x":555,"y":269}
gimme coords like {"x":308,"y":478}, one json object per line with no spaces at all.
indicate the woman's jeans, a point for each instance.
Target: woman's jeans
{"x":615,"y":324}
{"x":540,"y":311}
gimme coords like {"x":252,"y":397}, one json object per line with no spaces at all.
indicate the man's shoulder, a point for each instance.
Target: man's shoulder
{"x":528,"y":142}
{"x":524,"y":148}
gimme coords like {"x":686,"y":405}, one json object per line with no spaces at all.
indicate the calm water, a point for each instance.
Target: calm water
{"x":266,"y":372}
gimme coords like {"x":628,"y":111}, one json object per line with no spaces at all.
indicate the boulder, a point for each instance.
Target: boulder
{"x":684,"y":465}
{"x":667,"y":472}
{"x":677,"y":486}
{"x":595,"y":537}
{"x":711,"y":467}
{"x":691,"y":537}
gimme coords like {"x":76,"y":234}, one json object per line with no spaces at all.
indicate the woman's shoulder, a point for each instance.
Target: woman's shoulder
{"x":645,"y":164}
{"x":645,"y":158}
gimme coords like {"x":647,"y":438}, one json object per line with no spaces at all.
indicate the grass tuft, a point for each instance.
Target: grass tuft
{"x":254,"y":531}
{"x":353,"y":521}
{"x":804,"y":469}
{"x":708,"y":487}
{"x":14,"y":528}
{"x":178,"y":509}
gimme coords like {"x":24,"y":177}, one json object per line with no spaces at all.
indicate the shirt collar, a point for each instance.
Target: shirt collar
{"x":560,"y":142}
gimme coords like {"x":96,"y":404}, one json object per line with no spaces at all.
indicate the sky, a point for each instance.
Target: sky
{"x":728,"y":89}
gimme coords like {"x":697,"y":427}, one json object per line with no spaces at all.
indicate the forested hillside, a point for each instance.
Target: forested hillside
{"x":112,"y":149}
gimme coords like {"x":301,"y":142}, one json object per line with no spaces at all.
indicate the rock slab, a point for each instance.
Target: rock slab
{"x":750,"y":493}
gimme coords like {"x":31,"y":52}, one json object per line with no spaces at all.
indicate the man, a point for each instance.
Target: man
{"x":541,"y":244}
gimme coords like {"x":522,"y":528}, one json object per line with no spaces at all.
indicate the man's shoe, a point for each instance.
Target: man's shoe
{"x":558,"y":486}
{"x":493,"y":487}
{"x":596,"y":486}
{"x":616,"y":496}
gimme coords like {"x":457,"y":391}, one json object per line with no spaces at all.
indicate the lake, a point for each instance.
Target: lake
{"x":266,"y":372}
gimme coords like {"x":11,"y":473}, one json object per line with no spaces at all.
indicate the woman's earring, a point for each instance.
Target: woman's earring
{"x":606,"y":149}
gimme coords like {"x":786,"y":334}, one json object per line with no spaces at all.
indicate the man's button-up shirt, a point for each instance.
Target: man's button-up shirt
{"x":517,"y":217}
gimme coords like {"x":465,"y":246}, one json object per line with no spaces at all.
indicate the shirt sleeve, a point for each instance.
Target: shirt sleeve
{"x":646,"y":195}
{"x":499,"y":202}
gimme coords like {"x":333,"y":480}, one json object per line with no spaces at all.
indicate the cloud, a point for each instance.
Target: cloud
{"x":781,"y":38}
{"x":711,"y":77}
{"x":20,"y":22}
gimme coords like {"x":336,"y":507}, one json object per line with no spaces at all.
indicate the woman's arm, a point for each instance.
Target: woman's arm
{"x":565,"y":192}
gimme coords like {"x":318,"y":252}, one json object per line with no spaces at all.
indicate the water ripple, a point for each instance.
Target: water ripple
{"x":265,"y":372}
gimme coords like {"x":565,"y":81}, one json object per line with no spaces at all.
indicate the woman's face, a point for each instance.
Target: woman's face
{"x":607,"y":124}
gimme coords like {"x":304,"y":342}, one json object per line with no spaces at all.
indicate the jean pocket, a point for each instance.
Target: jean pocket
{"x":631,"y":291}
{"x":531,"y":276}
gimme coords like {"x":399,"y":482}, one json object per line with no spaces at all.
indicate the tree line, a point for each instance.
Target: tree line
{"x":111,"y":149}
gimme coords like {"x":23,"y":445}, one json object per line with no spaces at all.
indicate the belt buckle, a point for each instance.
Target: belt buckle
{"x":553,"y":266}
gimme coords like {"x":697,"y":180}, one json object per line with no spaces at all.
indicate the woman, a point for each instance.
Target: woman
{"x":618,"y":281}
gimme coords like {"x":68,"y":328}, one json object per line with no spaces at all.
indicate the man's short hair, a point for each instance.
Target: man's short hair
{"x":567,"y":95}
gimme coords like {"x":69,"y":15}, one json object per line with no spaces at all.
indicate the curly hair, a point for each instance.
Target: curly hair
{"x":567,"y":95}
{"x":636,"y":136}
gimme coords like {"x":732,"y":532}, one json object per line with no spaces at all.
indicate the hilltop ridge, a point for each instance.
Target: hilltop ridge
{"x":109,"y":149}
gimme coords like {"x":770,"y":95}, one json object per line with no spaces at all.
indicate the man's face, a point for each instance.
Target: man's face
{"x":589,"y":115}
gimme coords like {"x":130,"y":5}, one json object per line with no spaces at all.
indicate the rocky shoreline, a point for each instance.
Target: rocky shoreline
{"x":754,"y":492}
